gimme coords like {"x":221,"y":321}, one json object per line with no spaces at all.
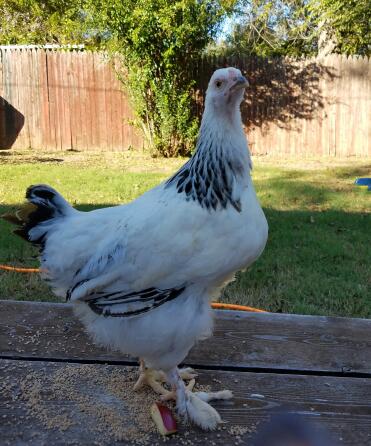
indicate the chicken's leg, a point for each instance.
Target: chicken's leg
{"x":194,"y":405}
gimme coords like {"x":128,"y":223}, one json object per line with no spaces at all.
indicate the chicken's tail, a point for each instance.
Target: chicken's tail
{"x":35,"y":218}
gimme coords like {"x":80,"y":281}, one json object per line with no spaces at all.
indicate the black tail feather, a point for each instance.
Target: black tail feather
{"x":45,"y":203}
{"x":41,"y":214}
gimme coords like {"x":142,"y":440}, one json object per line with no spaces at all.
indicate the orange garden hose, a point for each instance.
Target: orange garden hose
{"x":221,"y":306}
{"x":19,"y":270}
{"x":215,"y":305}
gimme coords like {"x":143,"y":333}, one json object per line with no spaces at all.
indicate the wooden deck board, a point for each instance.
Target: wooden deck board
{"x":240,"y":340}
{"x":341,"y":405}
{"x":316,"y":367}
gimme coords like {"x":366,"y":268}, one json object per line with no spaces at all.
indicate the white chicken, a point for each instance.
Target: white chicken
{"x":141,"y":276}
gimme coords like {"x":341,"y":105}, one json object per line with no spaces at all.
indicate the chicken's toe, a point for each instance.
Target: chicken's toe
{"x":173,"y":396}
{"x":220,"y":395}
{"x":153,"y":379}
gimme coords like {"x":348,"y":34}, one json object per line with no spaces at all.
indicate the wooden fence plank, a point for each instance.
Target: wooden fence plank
{"x":81,"y":143}
{"x":58,"y":98}
{"x":29,"y":392}
{"x":11,"y":93}
{"x":119,"y":97}
{"x":18,"y":77}
{"x":53,"y":115}
{"x":114,"y":124}
{"x":75,"y":111}
{"x":88,"y":111}
{"x":2,"y":103}
{"x":65,"y":101}
{"x":69,"y":101}
{"x":31,"y":85}
{"x":93,"y":103}
{"x":44,"y":142}
{"x":245,"y":340}
{"x":100,"y":101}
{"x":38,"y":133}
{"x":48,"y":130}
{"x":25,"y":77}
{"x":108,"y":108}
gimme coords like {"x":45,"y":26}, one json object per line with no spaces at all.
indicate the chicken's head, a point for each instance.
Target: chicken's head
{"x":226,"y":89}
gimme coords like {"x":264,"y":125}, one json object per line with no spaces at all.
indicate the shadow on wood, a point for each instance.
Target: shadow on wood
{"x":280,"y":91}
{"x":284,"y":90}
{"x":11,"y":123}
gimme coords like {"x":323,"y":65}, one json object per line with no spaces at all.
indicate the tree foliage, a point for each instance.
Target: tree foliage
{"x":301,"y":27}
{"x":160,"y":42}
{"x":347,"y":23}
{"x":41,"y":22}
{"x":272,"y":28}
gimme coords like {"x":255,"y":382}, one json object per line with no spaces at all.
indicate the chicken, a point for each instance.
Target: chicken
{"x":141,"y":276}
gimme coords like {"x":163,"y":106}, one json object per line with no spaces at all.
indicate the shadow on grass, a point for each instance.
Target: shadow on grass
{"x":298,"y":194}
{"x":31,"y":158}
{"x":353,"y":173}
{"x":314,"y":263}
{"x":46,"y":160}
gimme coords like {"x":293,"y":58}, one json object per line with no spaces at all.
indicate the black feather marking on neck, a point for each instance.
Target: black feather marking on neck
{"x":208,"y":178}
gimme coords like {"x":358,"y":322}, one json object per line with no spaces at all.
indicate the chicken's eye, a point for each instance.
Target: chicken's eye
{"x":218,"y":83}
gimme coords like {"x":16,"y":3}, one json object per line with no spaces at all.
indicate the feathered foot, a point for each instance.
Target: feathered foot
{"x":155,"y":379}
{"x":194,"y":406}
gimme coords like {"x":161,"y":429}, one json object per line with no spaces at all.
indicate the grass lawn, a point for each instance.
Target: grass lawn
{"x":318,"y":256}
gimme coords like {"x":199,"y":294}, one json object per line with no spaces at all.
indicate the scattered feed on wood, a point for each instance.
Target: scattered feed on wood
{"x":76,"y":396}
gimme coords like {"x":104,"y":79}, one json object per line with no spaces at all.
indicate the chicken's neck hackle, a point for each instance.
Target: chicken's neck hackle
{"x":220,"y":163}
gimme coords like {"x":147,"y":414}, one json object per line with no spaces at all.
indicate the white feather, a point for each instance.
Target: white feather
{"x":201,"y":413}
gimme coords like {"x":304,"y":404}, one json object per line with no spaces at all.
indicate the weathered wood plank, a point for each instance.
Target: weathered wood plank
{"x":100,"y":101}
{"x":94,"y":104}
{"x":241,"y":340}
{"x":79,"y":103}
{"x":2,"y":104}
{"x":87,"y":99}
{"x":52,"y":77}
{"x":75,"y":397}
{"x":108,"y":103}
{"x":16,"y":76}
{"x":65,"y":112}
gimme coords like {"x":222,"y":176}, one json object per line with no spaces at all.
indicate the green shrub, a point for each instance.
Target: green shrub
{"x":160,"y":43}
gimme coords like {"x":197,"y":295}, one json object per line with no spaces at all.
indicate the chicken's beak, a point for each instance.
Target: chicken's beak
{"x":241,"y":82}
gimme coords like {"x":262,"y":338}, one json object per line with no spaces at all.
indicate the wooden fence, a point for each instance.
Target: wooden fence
{"x":72,"y":100}
{"x":62,"y":100}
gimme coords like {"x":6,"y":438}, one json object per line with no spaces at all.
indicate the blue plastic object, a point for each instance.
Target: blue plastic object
{"x":363,"y":182}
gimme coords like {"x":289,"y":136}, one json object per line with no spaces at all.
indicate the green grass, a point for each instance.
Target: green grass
{"x":318,"y":256}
